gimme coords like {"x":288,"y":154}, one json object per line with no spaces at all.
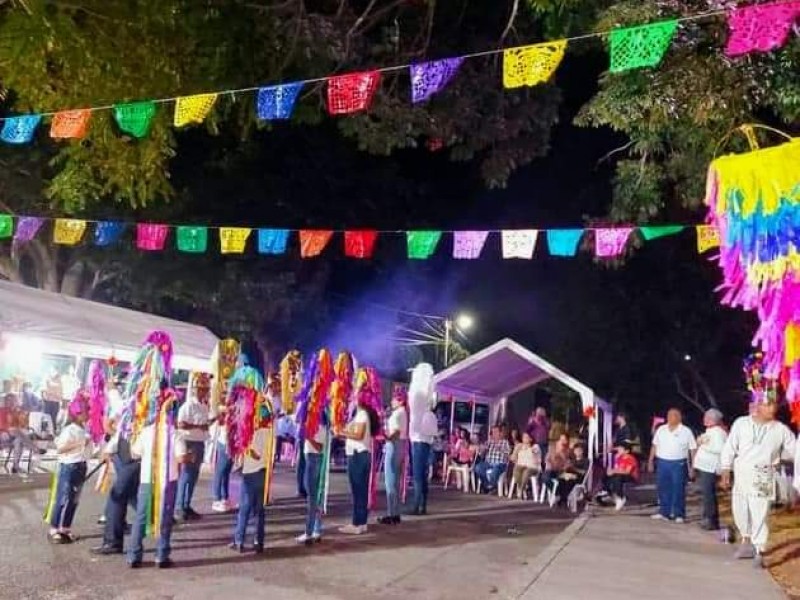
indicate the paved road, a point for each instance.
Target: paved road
{"x":463,"y":550}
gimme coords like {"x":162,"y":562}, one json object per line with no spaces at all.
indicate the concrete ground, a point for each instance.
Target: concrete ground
{"x":468,"y":547}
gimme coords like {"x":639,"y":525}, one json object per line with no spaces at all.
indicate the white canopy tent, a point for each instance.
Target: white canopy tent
{"x":59,"y":324}
{"x":505,"y":368}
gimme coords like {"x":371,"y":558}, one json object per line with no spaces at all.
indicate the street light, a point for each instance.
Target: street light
{"x":462,"y":321}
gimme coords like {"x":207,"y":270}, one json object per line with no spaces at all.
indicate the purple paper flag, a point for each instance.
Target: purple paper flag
{"x":609,"y":243}
{"x":428,"y":78}
{"x":468,"y":244}
{"x":27,"y":228}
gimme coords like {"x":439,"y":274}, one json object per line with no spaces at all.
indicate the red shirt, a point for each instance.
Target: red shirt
{"x":4,"y":419}
{"x":628,"y":462}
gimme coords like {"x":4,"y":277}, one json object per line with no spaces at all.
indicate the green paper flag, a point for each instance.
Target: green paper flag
{"x":652,"y":233}
{"x":135,"y":118}
{"x":642,"y":46}
{"x":6,"y":226}
{"x":192,"y":239}
{"x":422,"y":244}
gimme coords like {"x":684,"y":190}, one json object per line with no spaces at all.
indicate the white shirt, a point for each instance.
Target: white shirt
{"x":708,"y":453}
{"x":115,"y":404}
{"x":142,"y":447}
{"x":364,"y":444}
{"x":73,"y":434}
{"x":193,"y":412}
{"x":218,"y":431}
{"x":427,"y":429}
{"x":320,"y":437}
{"x":398,"y":421}
{"x":529,"y":457}
{"x":258,"y":444}
{"x":674,"y":444}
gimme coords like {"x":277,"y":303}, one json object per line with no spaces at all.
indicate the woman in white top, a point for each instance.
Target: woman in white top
{"x":395,"y":453}
{"x":358,"y":447}
{"x":707,"y":466}
{"x":527,"y":459}
{"x":314,"y":450}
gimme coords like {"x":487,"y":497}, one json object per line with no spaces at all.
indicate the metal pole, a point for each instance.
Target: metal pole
{"x":452,"y":414}
{"x":472,"y":422}
{"x":447,"y":325}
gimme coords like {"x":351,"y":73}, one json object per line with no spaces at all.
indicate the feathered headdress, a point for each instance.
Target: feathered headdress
{"x":223,"y":363}
{"x":199,"y":386}
{"x":248,"y":409}
{"x":368,"y":389}
{"x":96,"y":388}
{"x":150,"y":373}
{"x":314,"y":398}
{"x":291,"y":375}
{"x":342,"y":389}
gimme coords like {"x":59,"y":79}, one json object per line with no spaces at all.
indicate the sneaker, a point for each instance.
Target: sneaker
{"x":304,"y":539}
{"x":745,"y":551}
{"x":363,"y":529}
{"x":351,"y":529}
{"x":316,"y":537}
{"x":387,"y":520}
{"x":619,"y":503}
{"x":165,"y":564}
{"x":218,"y":506}
{"x":105,"y":550}
{"x":658,"y":517}
{"x":680,"y":520}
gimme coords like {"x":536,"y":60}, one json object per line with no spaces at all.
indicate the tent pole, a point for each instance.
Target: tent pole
{"x":472,"y":423}
{"x":452,"y":415}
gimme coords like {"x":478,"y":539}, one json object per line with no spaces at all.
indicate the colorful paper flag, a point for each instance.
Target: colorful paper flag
{"x":70,"y":124}
{"x":707,"y":238}
{"x":468,"y":245}
{"x":151,"y":236}
{"x":27,"y":228}
{"x":609,"y":243}
{"x":359,"y":244}
{"x":272,"y":241}
{"x":192,"y":238}
{"x":107,"y":232}
{"x":277,"y":102}
{"x":422,"y":244}
{"x":232,"y":240}
{"x":135,"y":118}
{"x":532,"y":65}
{"x":519,"y":243}
{"x":19,"y":130}
{"x":656,"y":231}
{"x":760,"y":27}
{"x":641,"y":46}
{"x":352,"y":92}
{"x":313,"y":242}
{"x":68,"y":232}
{"x":193,"y":109}
{"x":429,"y":78}
{"x":6,"y":226}
{"x":563,"y":242}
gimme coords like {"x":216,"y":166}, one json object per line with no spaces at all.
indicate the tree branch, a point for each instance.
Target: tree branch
{"x":615,"y":151}
{"x":693,"y":401}
{"x":511,"y":18}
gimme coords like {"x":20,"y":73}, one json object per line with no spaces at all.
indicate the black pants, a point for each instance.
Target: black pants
{"x":708,"y":489}
{"x":616,"y":484}
{"x":301,"y":470}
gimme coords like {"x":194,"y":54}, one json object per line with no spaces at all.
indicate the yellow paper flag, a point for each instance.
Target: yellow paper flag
{"x":193,"y":109}
{"x":531,"y":65}
{"x":68,"y":231}
{"x":232,"y":240}
{"x":707,"y":238}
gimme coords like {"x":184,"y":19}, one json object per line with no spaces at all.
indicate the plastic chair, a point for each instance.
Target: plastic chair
{"x":533,"y":483}
{"x":549,"y":492}
{"x":465,"y":472}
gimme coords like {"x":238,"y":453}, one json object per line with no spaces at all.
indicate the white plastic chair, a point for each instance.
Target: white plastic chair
{"x":465,"y":472}
{"x":549,"y":493}
{"x":533,"y":483}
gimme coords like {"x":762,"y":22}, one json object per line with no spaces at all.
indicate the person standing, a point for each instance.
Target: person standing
{"x":707,"y":466}
{"x":671,"y":454}
{"x":251,"y":499}
{"x":624,"y":432}
{"x":394,"y":459}
{"x":754,"y":448}
{"x":422,"y":430}
{"x":223,"y":464}
{"x":193,"y":424}
{"x":314,"y":451}
{"x":358,"y":448}
{"x":539,"y":429}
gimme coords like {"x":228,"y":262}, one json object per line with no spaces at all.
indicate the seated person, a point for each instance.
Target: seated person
{"x":16,"y":433}
{"x":625,"y":470}
{"x":495,"y":460}
{"x":463,"y":451}
{"x":527,"y":459}
{"x":574,"y":473}
{"x":557,"y":460}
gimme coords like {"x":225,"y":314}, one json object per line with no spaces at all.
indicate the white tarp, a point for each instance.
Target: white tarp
{"x":74,"y":326}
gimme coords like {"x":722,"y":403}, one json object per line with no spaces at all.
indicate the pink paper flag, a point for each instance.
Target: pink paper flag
{"x":468,"y":244}
{"x":761,"y":27}
{"x":520,"y":243}
{"x":151,"y":236}
{"x":609,"y":243}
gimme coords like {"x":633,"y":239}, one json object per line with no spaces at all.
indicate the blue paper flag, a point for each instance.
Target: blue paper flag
{"x":563,"y":242}
{"x":107,"y":232}
{"x":272,"y":241}
{"x":277,"y":102}
{"x":19,"y":130}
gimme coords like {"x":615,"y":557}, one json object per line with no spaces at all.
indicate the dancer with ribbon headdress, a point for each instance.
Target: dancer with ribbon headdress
{"x":755,"y":445}
{"x":74,"y":447}
{"x":149,"y":424}
{"x":251,"y":444}
{"x":225,"y":360}
{"x":193,"y":424}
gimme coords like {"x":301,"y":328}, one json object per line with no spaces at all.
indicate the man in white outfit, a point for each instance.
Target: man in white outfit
{"x":755,"y":446}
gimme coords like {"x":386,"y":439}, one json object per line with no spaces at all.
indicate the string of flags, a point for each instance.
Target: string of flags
{"x":608,"y":242}
{"x":756,"y":28}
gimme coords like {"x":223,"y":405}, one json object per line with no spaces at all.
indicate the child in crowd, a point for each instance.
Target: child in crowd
{"x":625,"y":470}
{"x":74,"y":448}
{"x":527,"y":459}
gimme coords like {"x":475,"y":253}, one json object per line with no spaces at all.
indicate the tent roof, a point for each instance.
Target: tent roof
{"x":69,"y":325}
{"x":501,"y":370}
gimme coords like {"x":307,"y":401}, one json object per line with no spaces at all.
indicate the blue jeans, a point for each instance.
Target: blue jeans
{"x":190,"y":472}
{"x":123,"y":492}
{"x":394,"y":458}
{"x":302,"y":490}
{"x":358,"y":466}
{"x":313,"y":511}
{"x":70,"y":484}
{"x":420,"y":459}
{"x":136,"y":550}
{"x":251,"y":502}
{"x":671,"y":482}
{"x":222,"y":473}
{"x":489,"y":473}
